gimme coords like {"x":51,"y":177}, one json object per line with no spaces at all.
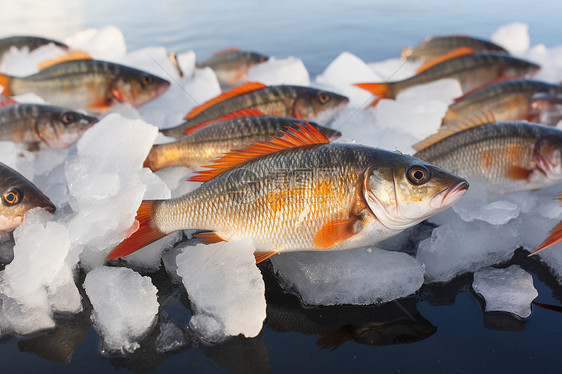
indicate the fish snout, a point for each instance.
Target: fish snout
{"x":449,"y":195}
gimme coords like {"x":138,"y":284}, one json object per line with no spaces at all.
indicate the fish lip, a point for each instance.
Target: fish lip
{"x":449,"y":195}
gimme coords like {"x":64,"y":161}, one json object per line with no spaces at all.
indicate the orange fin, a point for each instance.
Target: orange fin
{"x":305,"y":135}
{"x":555,"y":308}
{"x":102,"y":104}
{"x":457,"y":52}
{"x":334,"y":339}
{"x":70,"y":56}
{"x":497,"y":80}
{"x":380,"y":90}
{"x":144,"y":235}
{"x":242,"y":89}
{"x":6,"y":101}
{"x":262,"y":256}
{"x":209,"y":237}
{"x":5,"y":82}
{"x":335,"y":232}
{"x":250,"y":112}
{"x":554,"y":238}
{"x":226,"y":50}
{"x":449,"y":130}
{"x":518,"y":173}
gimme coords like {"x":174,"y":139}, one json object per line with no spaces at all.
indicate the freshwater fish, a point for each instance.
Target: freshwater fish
{"x":299,"y":193}
{"x":282,"y":101}
{"x":18,"y":196}
{"x":511,"y":100}
{"x":87,"y":84}
{"x":471,"y":70}
{"x":435,"y":46}
{"x":36,"y":125}
{"x":232,"y":65}
{"x":234,"y":131}
{"x":503,"y":156}
{"x":31,"y":42}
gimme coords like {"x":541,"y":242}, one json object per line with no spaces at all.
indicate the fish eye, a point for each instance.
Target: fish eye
{"x":146,"y":80}
{"x":12,"y":197}
{"x":323,"y":98}
{"x":417,"y":174}
{"x":68,"y":118}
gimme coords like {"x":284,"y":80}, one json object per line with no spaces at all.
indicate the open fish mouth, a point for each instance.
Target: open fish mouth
{"x":449,"y":195}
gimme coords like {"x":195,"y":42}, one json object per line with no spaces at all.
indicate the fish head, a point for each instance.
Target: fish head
{"x":60,"y":128}
{"x":257,"y":58}
{"x":404,"y":191}
{"x":317,"y":105}
{"x":137,"y":87}
{"x":546,"y":108}
{"x":547,"y":155}
{"x":18,"y":196}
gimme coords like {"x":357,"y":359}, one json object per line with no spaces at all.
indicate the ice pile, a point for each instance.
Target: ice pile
{"x":506,"y":290}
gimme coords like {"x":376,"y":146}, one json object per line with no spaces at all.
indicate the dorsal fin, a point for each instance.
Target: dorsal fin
{"x":70,"y":56}
{"x":457,"y":52}
{"x":305,"y":135}
{"x":498,"y":80}
{"x":460,"y":126}
{"x":242,"y":89}
{"x":249,"y":112}
{"x":226,"y":50}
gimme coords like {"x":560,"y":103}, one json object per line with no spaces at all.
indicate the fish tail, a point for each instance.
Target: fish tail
{"x":5,"y":82}
{"x":554,"y":238}
{"x":147,"y":232}
{"x":380,"y":90}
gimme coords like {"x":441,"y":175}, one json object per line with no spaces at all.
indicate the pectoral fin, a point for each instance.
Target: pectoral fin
{"x":262,"y":256}
{"x":336,"y":232}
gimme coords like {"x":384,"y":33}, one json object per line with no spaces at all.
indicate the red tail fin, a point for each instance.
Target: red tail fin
{"x":5,"y":82}
{"x":555,"y":237}
{"x":380,"y":90}
{"x":147,"y":232}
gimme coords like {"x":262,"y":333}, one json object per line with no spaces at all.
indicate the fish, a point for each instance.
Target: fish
{"x":554,"y":237}
{"x":511,"y":100}
{"x":234,"y":131}
{"x":433,"y":47}
{"x":232,"y":65}
{"x":301,"y":193}
{"x":31,"y":42}
{"x":18,"y":196}
{"x":501,"y":156}
{"x":36,"y":126}
{"x":297,"y":102}
{"x":472,"y":70}
{"x":88,"y":84}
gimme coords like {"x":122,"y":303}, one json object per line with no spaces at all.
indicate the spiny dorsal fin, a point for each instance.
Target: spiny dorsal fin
{"x":305,"y":135}
{"x":250,"y":112}
{"x":226,"y":50}
{"x":457,"y":52}
{"x":70,"y":56}
{"x":449,"y":130}
{"x":242,"y":89}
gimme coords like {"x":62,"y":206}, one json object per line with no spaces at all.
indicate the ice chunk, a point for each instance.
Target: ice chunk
{"x":496,"y":212}
{"x":148,"y":258}
{"x":22,"y":62}
{"x":514,"y":37}
{"x":394,"y":69}
{"x":107,"y":43}
{"x":225,"y":288}
{"x":124,"y":306}
{"x":171,"y":338}
{"x":506,"y":290}
{"x":361,"y":276}
{"x":274,"y":71}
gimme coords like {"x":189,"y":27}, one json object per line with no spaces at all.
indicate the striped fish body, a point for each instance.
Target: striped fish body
{"x":31,"y":42}
{"x":510,"y":100}
{"x":232,"y":66}
{"x":433,"y":47}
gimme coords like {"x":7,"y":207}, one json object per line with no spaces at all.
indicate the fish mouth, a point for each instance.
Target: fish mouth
{"x":449,"y":195}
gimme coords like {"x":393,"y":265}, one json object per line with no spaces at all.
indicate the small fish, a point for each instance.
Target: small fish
{"x":232,"y":65}
{"x":511,"y":100}
{"x":31,"y":42}
{"x":36,"y":125}
{"x":301,"y":193}
{"x":297,"y":102}
{"x":87,"y":84}
{"x":433,"y":47}
{"x":471,"y":70}
{"x":502,"y":156}
{"x":554,"y":237}
{"x":18,"y":196}
{"x":235,"y":131}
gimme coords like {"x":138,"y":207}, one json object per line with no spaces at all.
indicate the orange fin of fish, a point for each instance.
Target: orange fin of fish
{"x":5,"y":82}
{"x":451,"y":129}
{"x":101,"y":105}
{"x":497,"y":80}
{"x":242,"y":89}
{"x":457,"y":52}
{"x":144,"y":235}
{"x":380,"y":90}
{"x":226,"y":50}
{"x":554,"y":238}
{"x":335,"y":232}
{"x":70,"y":56}
{"x":262,"y":256}
{"x":334,"y":339}
{"x":6,"y":101}
{"x":209,"y":237}
{"x":555,"y":308}
{"x":249,"y":112}
{"x":304,"y":135}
